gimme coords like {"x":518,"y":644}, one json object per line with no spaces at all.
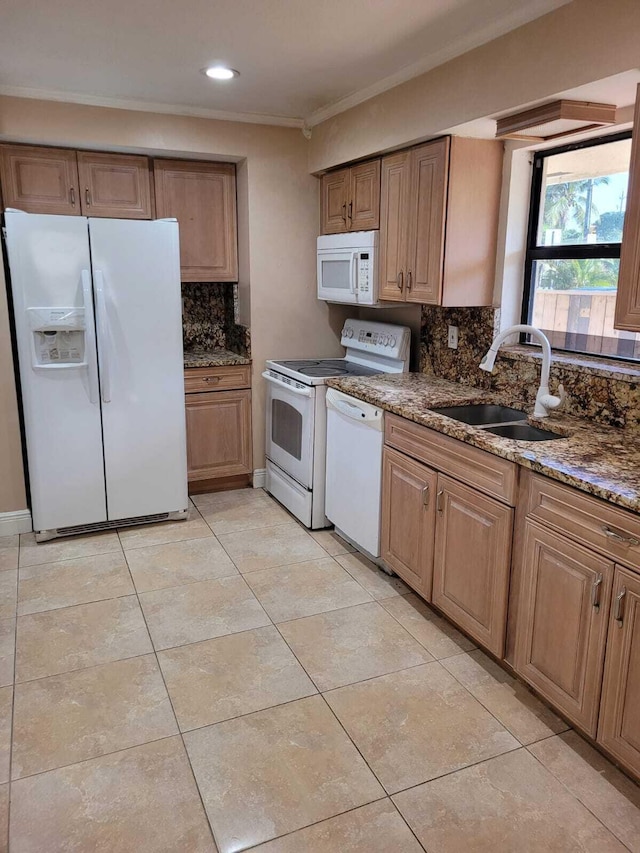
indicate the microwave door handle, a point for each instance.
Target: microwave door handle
{"x":353,"y":273}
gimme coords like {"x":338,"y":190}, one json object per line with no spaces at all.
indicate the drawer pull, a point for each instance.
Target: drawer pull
{"x":344,"y":212}
{"x":350,"y":214}
{"x":400,"y":280}
{"x":87,"y":197}
{"x":439,"y":501}
{"x":409,"y":280}
{"x":72,"y":196}
{"x":425,"y":496}
{"x":213,"y":379}
{"x":595,"y":592}
{"x":619,"y":614}
{"x":618,"y":537}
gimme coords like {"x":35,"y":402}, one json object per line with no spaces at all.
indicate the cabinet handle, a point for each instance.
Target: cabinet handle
{"x":439,"y":501}
{"x":213,"y":379}
{"x":409,"y":276}
{"x":400,"y":280}
{"x":72,"y":196}
{"x":87,"y":197}
{"x":344,"y":212}
{"x":350,"y":214}
{"x":595,"y":592}
{"x":619,"y":614}
{"x":618,"y":537}
{"x":425,"y":496}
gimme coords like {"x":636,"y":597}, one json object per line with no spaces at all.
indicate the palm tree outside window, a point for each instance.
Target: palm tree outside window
{"x":578,"y":202}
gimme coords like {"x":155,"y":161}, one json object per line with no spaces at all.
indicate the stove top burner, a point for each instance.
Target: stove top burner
{"x":328,"y":367}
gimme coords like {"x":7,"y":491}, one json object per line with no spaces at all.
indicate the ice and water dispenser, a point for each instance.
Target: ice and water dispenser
{"x":58,"y":337}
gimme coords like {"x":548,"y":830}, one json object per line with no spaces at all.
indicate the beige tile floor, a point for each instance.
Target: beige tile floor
{"x":233,"y":682}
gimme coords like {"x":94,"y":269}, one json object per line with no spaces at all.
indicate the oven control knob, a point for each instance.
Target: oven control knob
{"x":347,"y":332}
{"x":392,"y":342}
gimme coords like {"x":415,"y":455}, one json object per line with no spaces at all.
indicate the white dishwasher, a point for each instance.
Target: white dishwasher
{"x":355,"y":435}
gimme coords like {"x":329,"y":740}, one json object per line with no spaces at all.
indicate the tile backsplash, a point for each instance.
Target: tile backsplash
{"x":601,"y":393}
{"x":208,"y":318}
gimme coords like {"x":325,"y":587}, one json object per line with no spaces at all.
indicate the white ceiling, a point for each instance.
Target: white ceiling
{"x":298,"y":60}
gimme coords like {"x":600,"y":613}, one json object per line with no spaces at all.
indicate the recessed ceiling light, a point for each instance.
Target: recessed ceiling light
{"x":220,"y":72}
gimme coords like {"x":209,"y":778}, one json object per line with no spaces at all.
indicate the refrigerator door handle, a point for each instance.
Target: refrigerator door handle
{"x":90,"y":337}
{"x":103,"y":337}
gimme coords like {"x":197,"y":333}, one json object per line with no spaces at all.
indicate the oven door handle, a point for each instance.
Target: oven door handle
{"x":302,"y":392}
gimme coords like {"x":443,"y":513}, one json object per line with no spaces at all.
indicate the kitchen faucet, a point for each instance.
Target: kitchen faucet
{"x":544,"y":400}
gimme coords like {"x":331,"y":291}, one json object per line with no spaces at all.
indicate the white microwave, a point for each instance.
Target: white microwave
{"x":348,"y":267}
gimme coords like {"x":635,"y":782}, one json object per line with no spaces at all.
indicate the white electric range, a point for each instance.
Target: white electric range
{"x":296,"y":412}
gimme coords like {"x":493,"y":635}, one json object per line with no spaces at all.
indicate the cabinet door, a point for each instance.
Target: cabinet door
{"x":408,"y":519}
{"x":562,"y":623}
{"x":619,"y":729}
{"x":334,"y":201}
{"x":472,"y":562}
{"x":363,"y":210}
{"x":218,"y":434}
{"x":429,"y":170}
{"x":202,"y":197}
{"x":115,"y":185}
{"x":394,"y":225}
{"x":39,"y":180}
{"x":628,"y":299}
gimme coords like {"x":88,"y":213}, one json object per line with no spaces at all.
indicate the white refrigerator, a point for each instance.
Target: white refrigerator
{"x":98,"y":323}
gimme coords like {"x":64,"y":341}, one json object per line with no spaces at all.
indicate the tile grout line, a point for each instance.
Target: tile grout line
{"x":173,"y":711}
{"x":13,"y":696}
{"x":570,"y":792}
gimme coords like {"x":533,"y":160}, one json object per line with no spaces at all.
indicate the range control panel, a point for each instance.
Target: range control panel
{"x":377,"y":338}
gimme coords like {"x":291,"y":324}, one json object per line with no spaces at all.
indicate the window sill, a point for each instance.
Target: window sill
{"x":622,"y":371}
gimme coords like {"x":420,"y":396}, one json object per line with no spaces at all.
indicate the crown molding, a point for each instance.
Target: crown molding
{"x":149,"y":106}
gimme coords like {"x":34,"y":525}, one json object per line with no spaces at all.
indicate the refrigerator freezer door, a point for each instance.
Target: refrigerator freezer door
{"x":49,"y":263}
{"x":136,"y":273}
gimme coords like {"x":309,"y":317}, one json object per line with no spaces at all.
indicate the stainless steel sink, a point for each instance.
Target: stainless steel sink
{"x":482,"y":414}
{"x":523,"y":432}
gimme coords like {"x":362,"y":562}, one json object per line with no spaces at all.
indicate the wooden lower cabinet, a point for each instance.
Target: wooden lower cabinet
{"x":472,"y":561}
{"x":218,"y":434}
{"x":562,"y":623}
{"x":408,"y":519}
{"x":619,"y":729}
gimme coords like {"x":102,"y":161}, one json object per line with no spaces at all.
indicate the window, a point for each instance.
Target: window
{"x":578,"y":201}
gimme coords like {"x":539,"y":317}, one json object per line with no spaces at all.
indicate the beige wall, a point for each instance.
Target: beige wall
{"x":278,"y":205}
{"x":583,"y":41}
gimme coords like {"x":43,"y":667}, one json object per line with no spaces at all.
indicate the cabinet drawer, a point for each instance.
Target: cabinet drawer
{"x":197,"y":379}
{"x":490,"y":474}
{"x":593,"y":522}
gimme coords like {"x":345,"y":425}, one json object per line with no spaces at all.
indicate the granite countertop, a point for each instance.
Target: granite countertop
{"x":213,"y":358}
{"x":603,"y":461}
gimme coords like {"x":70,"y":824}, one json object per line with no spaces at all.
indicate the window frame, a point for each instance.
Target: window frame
{"x":568,"y":252}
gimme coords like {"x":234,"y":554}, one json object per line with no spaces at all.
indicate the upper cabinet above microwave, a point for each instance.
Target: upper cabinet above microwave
{"x":350,"y":199}
{"x":439,"y":222}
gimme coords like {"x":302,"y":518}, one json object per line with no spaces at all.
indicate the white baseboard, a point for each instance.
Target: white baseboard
{"x":259,"y":478}
{"x":15,"y":522}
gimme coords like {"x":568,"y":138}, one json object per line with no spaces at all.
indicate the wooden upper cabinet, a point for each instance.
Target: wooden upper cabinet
{"x":472,"y":561}
{"x":450,"y":214}
{"x":628,"y":300}
{"x":350,"y":199}
{"x":562,"y":623}
{"x":619,"y":729}
{"x":429,"y":174}
{"x":114,"y":185}
{"x":334,"y":200}
{"x":394,"y":225}
{"x":408,"y":519}
{"x":39,"y":180}
{"x":363,"y":209}
{"x":202,"y":197}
